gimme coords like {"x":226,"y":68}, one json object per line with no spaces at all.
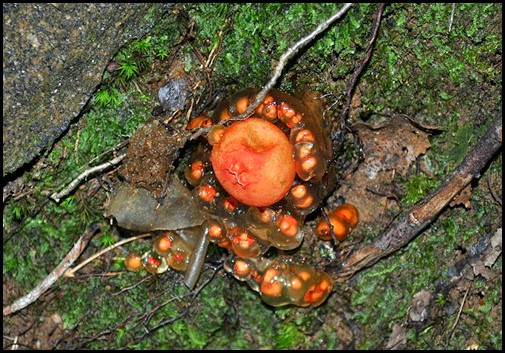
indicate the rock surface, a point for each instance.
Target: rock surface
{"x":54,"y":57}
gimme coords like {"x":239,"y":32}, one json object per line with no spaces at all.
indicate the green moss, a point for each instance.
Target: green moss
{"x":417,"y":187}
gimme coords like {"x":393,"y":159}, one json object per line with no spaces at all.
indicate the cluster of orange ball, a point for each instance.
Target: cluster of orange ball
{"x":257,"y":179}
{"x":342,"y":219}
{"x":169,"y":249}
{"x":281,"y":281}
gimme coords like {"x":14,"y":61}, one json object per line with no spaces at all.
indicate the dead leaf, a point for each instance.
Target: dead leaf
{"x":136,"y":209}
{"x":398,"y":338}
{"x":393,"y":146}
{"x":389,"y":149}
{"x":420,"y":305}
{"x":463,"y":198}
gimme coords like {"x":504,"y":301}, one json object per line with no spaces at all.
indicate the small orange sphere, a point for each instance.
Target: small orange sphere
{"x":347,"y":212}
{"x":206,"y":193}
{"x":305,"y":136}
{"x":162,"y":244}
{"x":133,"y":262}
{"x":304,"y":275}
{"x":340,"y":228}
{"x":215,"y":230}
{"x":225,"y":114}
{"x":215,"y":134}
{"x":309,"y":164}
{"x":287,"y":224}
{"x":242,"y":104}
{"x":306,"y":202}
{"x":266,"y":215}
{"x":241,"y":268}
{"x":299,"y":191}
{"x":199,"y":121}
{"x":296,"y":282}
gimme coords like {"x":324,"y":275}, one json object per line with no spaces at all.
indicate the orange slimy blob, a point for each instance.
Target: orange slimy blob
{"x":349,"y":213}
{"x":343,"y":218}
{"x":199,"y":121}
{"x":133,"y":262}
{"x":254,"y":162}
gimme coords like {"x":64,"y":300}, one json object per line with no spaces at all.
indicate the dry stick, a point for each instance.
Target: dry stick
{"x":67,"y":261}
{"x":327,"y":220}
{"x":459,"y":315}
{"x":115,"y":148}
{"x":70,"y":273}
{"x":57,"y":196}
{"x":452,"y":16}
{"x":418,"y":218}
{"x":493,"y":195}
{"x":127,"y":288}
{"x":377,"y":16}
{"x":278,"y":69}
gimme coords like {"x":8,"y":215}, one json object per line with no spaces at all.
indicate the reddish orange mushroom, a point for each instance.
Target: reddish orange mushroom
{"x":347,"y":212}
{"x":254,"y":162}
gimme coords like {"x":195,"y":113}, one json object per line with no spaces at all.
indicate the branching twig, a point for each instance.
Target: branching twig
{"x":135,"y":285}
{"x":67,"y":261}
{"x":418,"y":218}
{"x":194,"y":293}
{"x":70,"y":273}
{"x":278,"y":69}
{"x":70,"y":187}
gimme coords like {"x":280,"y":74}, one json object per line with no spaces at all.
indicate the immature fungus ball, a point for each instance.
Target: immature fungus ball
{"x":343,"y":218}
{"x":254,"y":162}
{"x":199,"y":121}
{"x":133,"y":262}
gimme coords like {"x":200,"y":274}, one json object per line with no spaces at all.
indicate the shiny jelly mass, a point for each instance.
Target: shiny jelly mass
{"x":257,"y":179}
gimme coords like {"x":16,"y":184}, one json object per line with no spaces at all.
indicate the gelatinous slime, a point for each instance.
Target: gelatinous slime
{"x":253,"y":182}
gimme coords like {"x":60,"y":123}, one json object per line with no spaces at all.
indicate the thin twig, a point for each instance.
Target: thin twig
{"x":106,"y":274}
{"x":194,"y":293}
{"x":115,"y":148}
{"x":288,"y":54}
{"x":70,"y":273}
{"x":493,"y":195}
{"x":452,"y":16}
{"x":127,"y":288}
{"x":354,"y":78}
{"x":459,"y":314}
{"x":57,"y":196}
{"x":67,"y":261}
{"x":327,"y":220}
